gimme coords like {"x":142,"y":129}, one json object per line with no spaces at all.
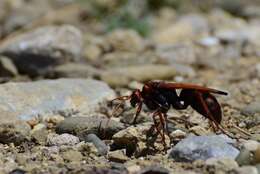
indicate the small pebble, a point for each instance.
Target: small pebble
{"x":117,"y":156}
{"x":63,"y":139}
{"x":98,"y":143}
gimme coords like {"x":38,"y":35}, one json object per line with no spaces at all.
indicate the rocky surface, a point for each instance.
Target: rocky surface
{"x":202,"y":147}
{"x":41,"y":48}
{"x":62,"y":61}
{"x":83,"y":126}
{"x":28,"y":100}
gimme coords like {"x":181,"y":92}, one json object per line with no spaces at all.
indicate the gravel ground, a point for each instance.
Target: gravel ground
{"x":62,"y":61}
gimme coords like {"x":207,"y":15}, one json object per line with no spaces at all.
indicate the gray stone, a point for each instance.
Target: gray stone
{"x":245,"y":157}
{"x":35,"y":51}
{"x":251,"y":11}
{"x":176,"y":53}
{"x":188,"y":27}
{"x":30,"y":99}
{"x":258,"y":168}
{"x":246,"y":170}
{"x":63,"y":139}
{"x":251,"y":109}
{"x":82,"y":126}
{"x":99,"y":144}
{"x":202,"y":147}
{"x":22,"y":14}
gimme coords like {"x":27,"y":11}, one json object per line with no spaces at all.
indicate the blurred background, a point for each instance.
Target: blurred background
{"x":124,"y":41}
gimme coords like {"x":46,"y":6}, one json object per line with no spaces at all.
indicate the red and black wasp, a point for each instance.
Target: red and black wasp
{"x":160,"y":96}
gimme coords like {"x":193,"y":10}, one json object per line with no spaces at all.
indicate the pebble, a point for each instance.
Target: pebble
{"x":133,"y":168}
{"x":251,"y":109}
{"x":63,"y":139}
{"x":99,"y":144}
{"x":7,"y":67}
{"x":182,"y":53}
{"x":223,"y":163}
{"x":82,"y":126}
{"x":123,"y":75}
{"x":125,"y":40}
{"x":87,"y":149}
{"x":155,"y":169}
{"x":188,"y":27}
{"x":198,"y":130}
{"x":39,"y":133}
{"x":246,"y":170}
{"x":13,"y":130}
{"x":92,"y":52}
{"x":245,"y":157}
{"x":258,"y":168}
{"x":72,"y":155}
{"x":117,"y":156}
{"x":26,"y":100}
{"x":35,"y":51}
{"x":138,"y":140}
{"x":202,"y":147}
{"x":73,"y":70}
{"x":178,"y":134}
{"x":251,"y":145}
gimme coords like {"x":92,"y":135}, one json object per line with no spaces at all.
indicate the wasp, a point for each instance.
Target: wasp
{"x":160,"y":96}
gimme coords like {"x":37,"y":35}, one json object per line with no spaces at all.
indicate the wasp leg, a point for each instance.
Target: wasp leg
{"x":139,"y":108}
{"x":219,"y":127}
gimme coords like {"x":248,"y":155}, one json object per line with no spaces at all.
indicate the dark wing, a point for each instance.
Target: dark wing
{"x":165,"y":85}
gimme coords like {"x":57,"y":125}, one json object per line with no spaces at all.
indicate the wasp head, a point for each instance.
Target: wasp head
{"x":135,"y":98}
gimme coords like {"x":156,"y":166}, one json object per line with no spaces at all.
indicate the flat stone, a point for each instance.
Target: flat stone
{"x":123,"y":75}
{"x":30,"y":99}
{"x":117,"y":156}
{"x":43,"y":47}
{"x":82,"y":126}
{"x":202,"y":147}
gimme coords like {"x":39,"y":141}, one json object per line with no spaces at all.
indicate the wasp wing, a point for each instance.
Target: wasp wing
{"x":168,"y":85}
